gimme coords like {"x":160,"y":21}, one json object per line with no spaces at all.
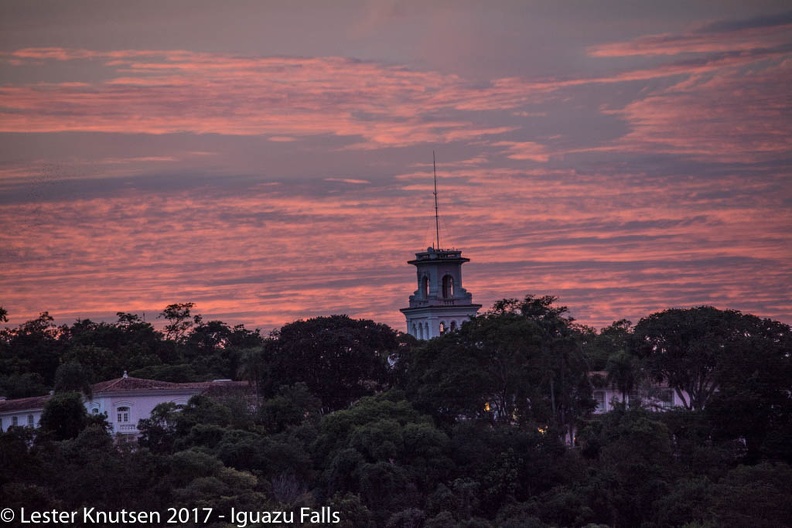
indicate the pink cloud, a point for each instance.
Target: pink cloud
{"x":732,"y":116}
{"x":613,"y":242}
{"x":611,"y":245}
{"x":348,"y":180}
{"x":162,"y":92}
{"x":168,"y":92}
{"x":740,"y":40}
{"x":524,"y":150}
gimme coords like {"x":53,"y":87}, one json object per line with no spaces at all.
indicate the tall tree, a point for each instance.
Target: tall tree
{"x":73,"y":377}
{"x":491,"y":369}
{"x":338,"y":358}
{"x":623,"y":372}
{"x":64,"y":416}
{"x":600,"y":346}
{"x":684,"y":347}
{"x":213,"y":347}
{"x":701,"y":351}
{"x":180,"y":320}
{"x":253,"y":367}
{"x":520,"y":362}
{"x":108,"y":349}
{"x":32,"y":347}
{"x":754,"y":398}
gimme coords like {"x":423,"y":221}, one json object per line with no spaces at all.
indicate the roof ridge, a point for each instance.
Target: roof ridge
{"x":107,"y":384}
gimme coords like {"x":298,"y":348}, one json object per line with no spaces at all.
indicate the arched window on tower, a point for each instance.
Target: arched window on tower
{"x":425,"y":286}
{"x":442,"y":328}
{"x":453,"y":326}
{"x":448,"y":287}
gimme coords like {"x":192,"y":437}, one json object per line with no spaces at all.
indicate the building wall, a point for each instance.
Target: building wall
{"x":29,"y":418}
{"x":123,"y":410}
{"x":653,"y":398}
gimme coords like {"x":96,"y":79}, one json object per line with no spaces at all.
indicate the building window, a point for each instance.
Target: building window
{"x":599,"y":397}
{"x":425,"y":287}
{"x":15,"y":421}
{"x":666,"y":398}
{"x":448,"y":287}
{"x":122,"y":415}
{"x":31,"y":420}
{"x":442,"y":328}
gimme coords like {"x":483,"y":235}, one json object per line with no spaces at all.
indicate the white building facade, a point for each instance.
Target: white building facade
{"x":650,"y":396}
{"x":124,"y":401}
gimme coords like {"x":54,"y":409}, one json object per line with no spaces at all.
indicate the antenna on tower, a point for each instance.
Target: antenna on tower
{"x":437,"y":214}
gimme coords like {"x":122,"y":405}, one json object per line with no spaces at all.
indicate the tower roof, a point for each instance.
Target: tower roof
{"x":434,"y":255}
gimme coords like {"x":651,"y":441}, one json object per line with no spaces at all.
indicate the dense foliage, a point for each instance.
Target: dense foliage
{"x":487,"y":426}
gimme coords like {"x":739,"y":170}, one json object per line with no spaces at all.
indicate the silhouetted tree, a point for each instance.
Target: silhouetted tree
{"x":73,"y":377}
{"x":32,"y":347}
{"x":600,"y":346}
{"x":519,"y":363}
{"x":755,"y":496}
{"x":753,"y":402}
{"x":64,"y":416}
{"x":180,"y":320}
{"x":683,"y":347}
{"x":339,"y":359}
{"x":623,"y":372}
{"x":702,"y":351}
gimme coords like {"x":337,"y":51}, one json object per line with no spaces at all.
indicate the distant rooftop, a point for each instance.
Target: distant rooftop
{"x":129,"y":384}
{"x":23,"y":404}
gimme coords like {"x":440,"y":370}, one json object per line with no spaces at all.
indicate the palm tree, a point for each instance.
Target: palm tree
{"x":252,"y":366}
{"x":624,"y":372}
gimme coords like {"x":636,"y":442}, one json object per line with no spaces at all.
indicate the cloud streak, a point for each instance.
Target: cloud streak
{"x":272,"y":254}
{"x":269,"y":188}
{"x":169,"y":92}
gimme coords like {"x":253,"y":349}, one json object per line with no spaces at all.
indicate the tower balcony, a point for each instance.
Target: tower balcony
{"x":433,"y":255}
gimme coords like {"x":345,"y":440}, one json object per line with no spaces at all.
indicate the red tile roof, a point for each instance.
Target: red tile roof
{"x":130,"y":384}
{"x":125,"y":384}
{"x":24,"y":404}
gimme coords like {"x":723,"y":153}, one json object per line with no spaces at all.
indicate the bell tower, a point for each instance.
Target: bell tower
{"x":440,"y":304}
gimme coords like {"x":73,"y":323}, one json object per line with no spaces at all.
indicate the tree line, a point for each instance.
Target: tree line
{"x":489,"y":425}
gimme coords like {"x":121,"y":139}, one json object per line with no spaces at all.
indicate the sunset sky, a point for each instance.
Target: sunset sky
{"x":272,"y":160}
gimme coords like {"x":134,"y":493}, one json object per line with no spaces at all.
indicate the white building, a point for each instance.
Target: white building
{"x":651,"y":396}
{"x":440,"y":304}
{"x":25,"y":412}
{"x":123,"y":400}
